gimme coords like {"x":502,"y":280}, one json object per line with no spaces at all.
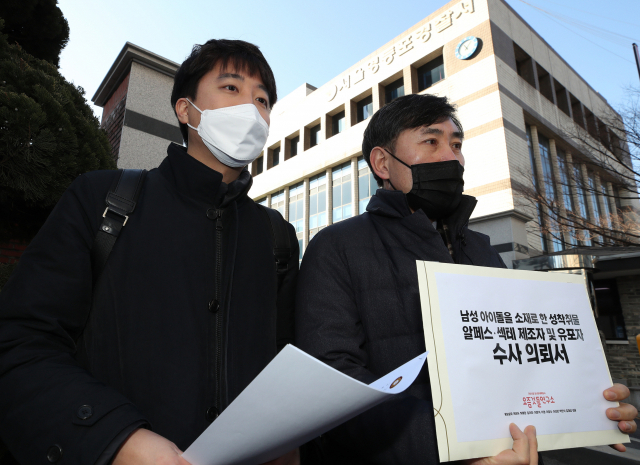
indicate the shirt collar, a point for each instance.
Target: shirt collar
{"x":195,"y":179}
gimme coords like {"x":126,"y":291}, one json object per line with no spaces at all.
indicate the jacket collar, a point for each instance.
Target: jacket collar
{"x":196,"y":180}
{"x":394,"y":204}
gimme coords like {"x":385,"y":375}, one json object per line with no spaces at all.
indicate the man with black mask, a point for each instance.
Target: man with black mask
{"x":358,"y":305}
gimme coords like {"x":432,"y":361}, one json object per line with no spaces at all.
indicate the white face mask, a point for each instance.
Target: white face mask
{"x":234,"y":135}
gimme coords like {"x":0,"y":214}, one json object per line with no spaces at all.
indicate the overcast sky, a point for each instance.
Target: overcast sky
{"x":313,"y":42}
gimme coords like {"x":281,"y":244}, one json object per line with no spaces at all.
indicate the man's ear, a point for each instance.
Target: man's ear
{"x":182,"y":110}
{"x":379,"y":159}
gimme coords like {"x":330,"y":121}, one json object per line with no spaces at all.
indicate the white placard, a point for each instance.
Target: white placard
{"x":293,"y":400}
{"x":513,"y":347}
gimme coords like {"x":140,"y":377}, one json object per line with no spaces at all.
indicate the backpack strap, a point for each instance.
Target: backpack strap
{"x":121,"y":202}
{"x":280,"y":239}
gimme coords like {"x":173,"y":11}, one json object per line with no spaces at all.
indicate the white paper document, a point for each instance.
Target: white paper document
{"x":293,"y":400}
{"x":513,"y":346}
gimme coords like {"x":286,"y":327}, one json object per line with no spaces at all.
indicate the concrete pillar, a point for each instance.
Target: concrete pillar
{"x":325,"y":128}
{"x":553,"y":90}
{"x":410,"y":80}
{"x":562,"y":208}
{"x":286,"y":203}
{"x":583,"y":117}
{"x":590,"y":206}
{"x":285,"y":149}
{"x":611,"y":199}
{"x":305,"y":139}
{"x":350,"y":114}
{"x":354,"y":186}
{"x":568,"y":97}
{"x":534,"y":65}
{"x":329,"y":197}
{"x":585,"y":184}
{"x":615,"y":219}
{"x":377,"y":96}
{"x":305,"y":213}
{"x":269,"y":200}
{"x":601,"y":201}
{"x":573,"y":189}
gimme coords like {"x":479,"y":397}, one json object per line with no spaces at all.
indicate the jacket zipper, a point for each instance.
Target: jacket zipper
{"x":218,"y":285}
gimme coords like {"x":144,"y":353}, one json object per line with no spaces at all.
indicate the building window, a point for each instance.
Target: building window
{"x":293,"y":145}
{"x":562,"y":97}
{"x":278,"y":201}
{"x":367,"y":185}
{"x":544,"y":82}
{"x":524,"y":65}
{"x":576,"y":109}
{"x":430,"y":73}
{"x":597,"y":214}
{"x":314,"y":135}
{"x":394,"y":90}
{"x":605,"y":203}
{"x":342,"y":202}
{"x":582,"y":203}
{"x":317,"y":201}
{"x":582,"y":198}
{"x":564,"y":181}
{"x":296,"y":201}
{"x":275,"y":157}
{"x":566,"y":193}
{"x":594,"y":198}
{"x":610,"y":320}
{"x":550,"y":192}
{"x":365,"y":108}
{"x":547,"y":172}
{"x":337,"y":123}
{"x":592,"y":127}
{"x":262,"y":201}
{"x":259,"y":165}
{"x":301,"y":249}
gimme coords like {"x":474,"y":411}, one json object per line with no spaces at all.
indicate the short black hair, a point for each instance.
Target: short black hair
{"x":408,"y":112}
{"x":241,"y":55}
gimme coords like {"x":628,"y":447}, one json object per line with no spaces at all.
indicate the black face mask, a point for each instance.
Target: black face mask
{"x":437,"y":187}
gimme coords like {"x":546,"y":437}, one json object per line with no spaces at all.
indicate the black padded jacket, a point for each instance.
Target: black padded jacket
{"x":148,"y":346}
{"x":358,"y":310}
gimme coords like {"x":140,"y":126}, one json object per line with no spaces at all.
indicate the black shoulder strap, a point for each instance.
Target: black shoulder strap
{"x":280,"y":237}
{"x":121,"y":201}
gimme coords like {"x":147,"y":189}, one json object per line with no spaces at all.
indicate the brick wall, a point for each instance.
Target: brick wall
{"x":624,"y":360}
{"x":113,"y":116}
{"x":11,"y":251}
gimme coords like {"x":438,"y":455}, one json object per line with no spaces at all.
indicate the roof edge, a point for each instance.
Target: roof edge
{"x":122,"y":64}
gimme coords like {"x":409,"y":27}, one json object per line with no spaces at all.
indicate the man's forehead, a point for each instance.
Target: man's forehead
{"x":229,"y":70}
{"x":443,"y":127}
{"x":236,"y":71}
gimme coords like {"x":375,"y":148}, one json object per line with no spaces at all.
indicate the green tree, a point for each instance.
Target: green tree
{"x":37,"y":25}
{"x":48,"y":136}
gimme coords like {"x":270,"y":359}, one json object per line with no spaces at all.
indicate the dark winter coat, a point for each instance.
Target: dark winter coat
{"x":155,"y":350}
{"x":358,"y":310}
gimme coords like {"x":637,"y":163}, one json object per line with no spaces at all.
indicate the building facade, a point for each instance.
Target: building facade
{"x":515,"y":97}
{"x":136,"y":109}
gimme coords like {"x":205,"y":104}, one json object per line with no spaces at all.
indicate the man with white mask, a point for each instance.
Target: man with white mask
{"x":131,"y":364}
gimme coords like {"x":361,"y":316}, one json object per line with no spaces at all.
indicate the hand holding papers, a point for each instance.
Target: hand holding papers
{"x":512,"y":347}
{"x":293,"y":400}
